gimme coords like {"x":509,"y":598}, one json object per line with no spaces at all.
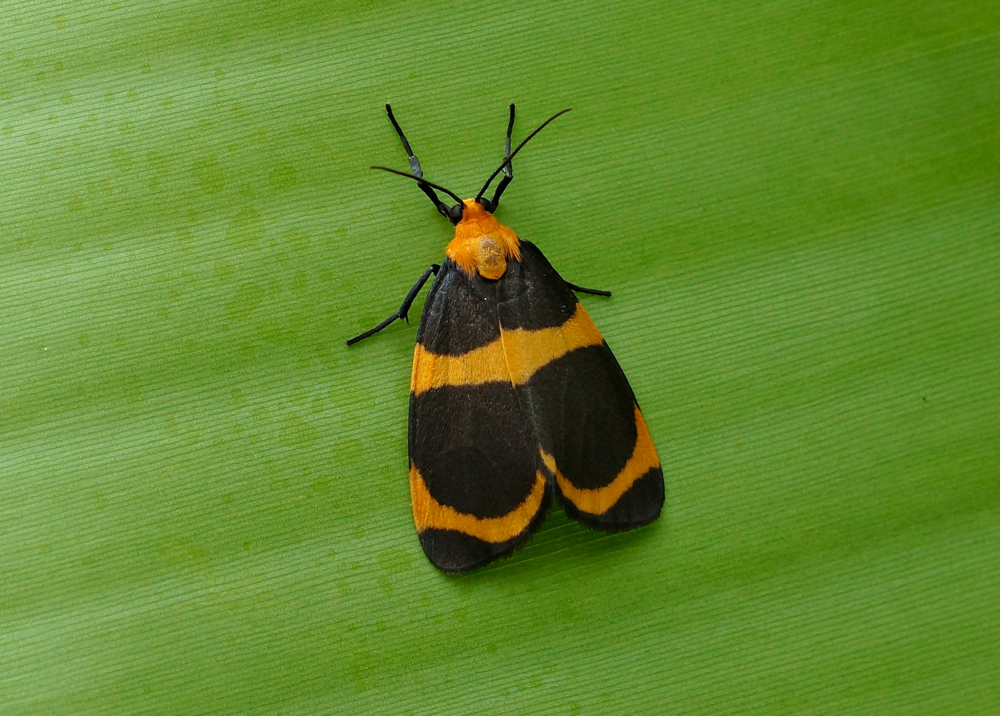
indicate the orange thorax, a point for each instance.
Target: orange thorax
{"x":482,"y":244}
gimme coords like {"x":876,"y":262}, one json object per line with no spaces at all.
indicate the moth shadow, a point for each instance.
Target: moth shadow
{"x":562,"y":544}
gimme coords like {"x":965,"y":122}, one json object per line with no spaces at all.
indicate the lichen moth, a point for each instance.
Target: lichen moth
{"x":515,"y":397}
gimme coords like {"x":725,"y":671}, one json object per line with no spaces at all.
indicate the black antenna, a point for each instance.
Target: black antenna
{"x":423,"y":181}
{"x":506,"y":161}
{"x":418,"y":174}
{"x":508,"y":171}
{"x":414,"y":162}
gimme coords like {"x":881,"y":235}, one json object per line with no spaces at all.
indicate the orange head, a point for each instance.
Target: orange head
{"x":482,"y":244}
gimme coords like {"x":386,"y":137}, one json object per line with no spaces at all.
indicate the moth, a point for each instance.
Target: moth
{"x":515,"y":398}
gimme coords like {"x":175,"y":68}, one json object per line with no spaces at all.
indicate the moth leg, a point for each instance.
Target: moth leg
{"x":594,"y":291}
{"x":401,"y":314}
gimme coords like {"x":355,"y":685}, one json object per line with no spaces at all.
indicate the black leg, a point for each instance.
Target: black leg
{"x":594,"y":291}
{"x":415,"y":168}
{"x":508,"y":170}
{"x":401,"y":314}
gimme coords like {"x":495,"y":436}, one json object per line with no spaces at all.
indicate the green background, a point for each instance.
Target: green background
{"x":203,"y":495}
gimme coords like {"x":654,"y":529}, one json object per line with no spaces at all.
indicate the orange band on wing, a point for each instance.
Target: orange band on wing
{"x":514,"y":357}
{"x":600,"y":500}
{"x":528,"y":351}
{"x":428,"y":513}
{"x":482,"y":365}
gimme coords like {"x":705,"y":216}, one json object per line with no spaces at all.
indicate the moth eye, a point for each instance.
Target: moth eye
{"x":455,"y":213}
{"x":486,"y":204}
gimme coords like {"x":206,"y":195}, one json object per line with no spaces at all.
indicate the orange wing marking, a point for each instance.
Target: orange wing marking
{"x":514,"y":357}
{"x":482,"y":365}
{"x":528,"y":351}
{"x":600,"y":500}
{"x":428,"y":513}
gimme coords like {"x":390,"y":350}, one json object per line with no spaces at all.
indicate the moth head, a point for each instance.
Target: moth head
{"x":482,"y":245}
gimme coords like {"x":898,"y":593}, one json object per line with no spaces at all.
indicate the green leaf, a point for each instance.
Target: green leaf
{"x":203,"y":491}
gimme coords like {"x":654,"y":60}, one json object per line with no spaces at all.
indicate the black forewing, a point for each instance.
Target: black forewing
{"x":581,"y":406}
{"x":472,"y":444}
